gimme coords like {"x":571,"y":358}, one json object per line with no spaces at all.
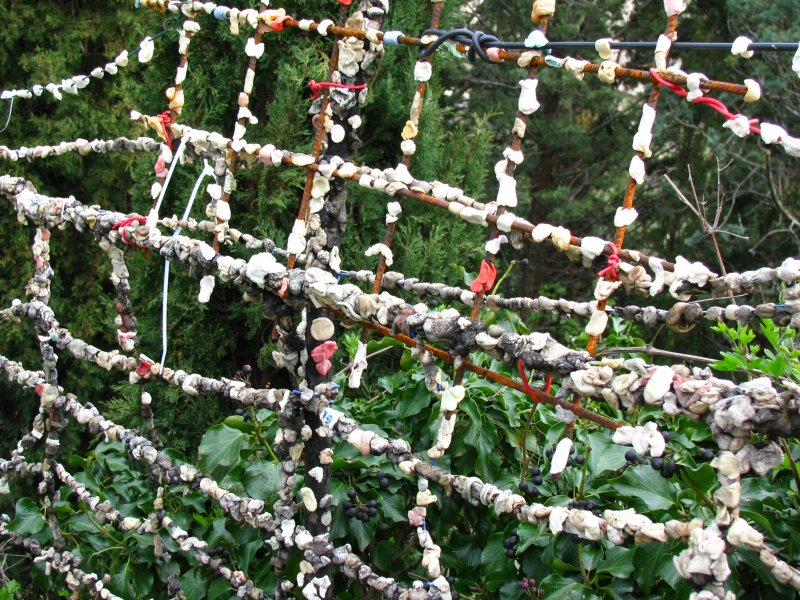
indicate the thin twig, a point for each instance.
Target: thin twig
{"x":371,"y":355}
{"x":791,"y":463}
{"x":650,"y":351}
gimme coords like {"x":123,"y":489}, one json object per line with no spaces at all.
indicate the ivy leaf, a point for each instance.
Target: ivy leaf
{"x":220,"y":447}
{"x":496,"y":567}
{"x":388,"y":557}
{"x":564,"y":588}
{"x":28,"y":519}
{"x":414,"y":400}
{"x":393,"y":508}
{"x":605,"y":455}
{"x":363,"y":532}
{"x":647,"y":559}
{"x":466,"y":549}
{"x":194,"y":584}
{"x":646,"y":489}
{"x":262,"y":479}
{"x":532,"y":535}
{"x":617,"y":562}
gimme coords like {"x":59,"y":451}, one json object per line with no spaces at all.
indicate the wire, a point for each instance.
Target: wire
{"x":10,"y":110}
{"x":477,"y":41}
{"x":207,"y":171}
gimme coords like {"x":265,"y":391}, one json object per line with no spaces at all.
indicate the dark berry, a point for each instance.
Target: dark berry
{"x":381,"y":474}
{"x":523,"y":487}
{"x":514,"y":531}
{"x":347,"y":504}
{"x":576,"y":539}
{"x":384,"y":482}
{"x":590,"y":505}
{"x":350,"y":512}
{"x":247,"y":370}
{"x":569,"y":461}
{"x":351,"y":493}
{"x":657,"y":463}
{"x":372,"y":511}
{"x":363,"y":516}
{"x":451,"y":580}
{"x":537,"y":480}
{"x":455,"y":595}
{"x":549,"y":453}
{"x":508,"y":543}
{"x":524,"y":262}
{"x":511,"y":553}
{"x":572,"y":449}
{"x":666,"y":435}
{"x":704,"y":454}
{"x":536,"y":471}
{"x":669,"y":469}
{"x":514,"y":539}
{"x":580,"y":459}
{"x":533,"y":491}
{"x":372,"y":503}
{"x":631,"y":456}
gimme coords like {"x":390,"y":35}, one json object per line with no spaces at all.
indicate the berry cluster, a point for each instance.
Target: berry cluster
{"x":528,"y":585}
{"x":530,"y":489}
{"x":589,"y":505}
{"x":383,"y":481}
{"x":353,"y":507}
{"x":510,"y":544}
{"x":572,"y":460}
{"x":667,"y":467}
{"x":704,"y":455}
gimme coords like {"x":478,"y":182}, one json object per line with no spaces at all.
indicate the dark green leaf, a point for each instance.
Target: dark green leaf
{"x":262,"y":479}
{"x":645,"y":487}
{"x":617,"y":562}
{"x":220,"y":447}
{"x":563,"y":588}
{"x":415,"y":399}
{"x":28,"y":519}
{"x":194,"y":584}
{"x":496,"y":567}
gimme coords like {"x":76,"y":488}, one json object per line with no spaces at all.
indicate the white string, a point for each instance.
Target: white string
{"x":152,"y":218}
{"x":207,"y":171}
{"x":10,"y":110}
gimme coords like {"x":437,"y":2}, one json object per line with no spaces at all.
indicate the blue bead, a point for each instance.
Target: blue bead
{"x":392,"y":38}
{"x":221,"y":13}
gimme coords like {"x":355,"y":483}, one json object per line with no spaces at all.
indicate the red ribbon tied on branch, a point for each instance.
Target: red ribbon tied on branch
{"x":548,"y":384}
{"x":613,"y":263}
{"x":712,"y":102}
{"x":166,"y":120}
{"x":123,"y":224}
{"x":485,"y":279}
{"x":316,"y":87}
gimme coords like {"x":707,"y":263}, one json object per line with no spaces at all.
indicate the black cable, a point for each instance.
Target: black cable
{"x":478,"y":41}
